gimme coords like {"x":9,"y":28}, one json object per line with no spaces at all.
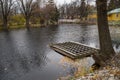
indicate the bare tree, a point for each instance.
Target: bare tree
{"x":106,"y":49}
{"x":6,"y":8}
{"x":26,"y":7}
{"x":15,"y":9}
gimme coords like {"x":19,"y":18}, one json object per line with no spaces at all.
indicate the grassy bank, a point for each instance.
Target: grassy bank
{"x":114,"y":23}
{"x":110,"y":72}
{"x":13,"y":27}
{"x":23,"y":26}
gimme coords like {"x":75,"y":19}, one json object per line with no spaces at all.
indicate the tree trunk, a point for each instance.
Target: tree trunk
{"x":106,"y":49}
{"x":27,"y":23}
{"x":5,"y":24}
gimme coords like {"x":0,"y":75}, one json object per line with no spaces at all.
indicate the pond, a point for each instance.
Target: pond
{"x":25,"y":55}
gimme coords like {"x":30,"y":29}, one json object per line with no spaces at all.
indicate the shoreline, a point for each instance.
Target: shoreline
{"x":86,"y":22}
{"x":39,"y":25}
{"x":24,"y":27}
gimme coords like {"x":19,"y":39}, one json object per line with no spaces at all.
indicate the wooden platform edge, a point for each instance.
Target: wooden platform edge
{"x":64,"y":53}
{"x":84,"y":45}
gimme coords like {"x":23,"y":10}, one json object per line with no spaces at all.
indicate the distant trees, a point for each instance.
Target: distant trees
{"x":70,"y":10}
{"x":76,"y":9}
{"x":52,"y":13}
{"x":113,"y":4}
{"x":36,"y":14}
{"x":26,"y":8}
{"x":83,"y":9}
{"x":6,"y":7}
{"x":49,"y":13}
{"x":41,"y":11}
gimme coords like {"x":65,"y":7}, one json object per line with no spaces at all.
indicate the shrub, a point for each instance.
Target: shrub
{"x":17,"y":20}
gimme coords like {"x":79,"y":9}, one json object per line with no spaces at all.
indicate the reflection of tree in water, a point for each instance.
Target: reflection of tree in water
{"x":84,"y":32}
{"x":37,"y":47}
{"x":1,"y":70}
{"x":36,"y":59}
{"x":51,"y":33}
{"x":89,"y":36}
{"x":16,"y":60}
{"x":25,"y":64}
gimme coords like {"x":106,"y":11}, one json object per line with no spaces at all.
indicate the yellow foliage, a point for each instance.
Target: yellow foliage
{"x":17,"y":20}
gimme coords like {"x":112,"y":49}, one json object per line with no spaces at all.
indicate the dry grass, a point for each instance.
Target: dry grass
{"x":110,"y":72}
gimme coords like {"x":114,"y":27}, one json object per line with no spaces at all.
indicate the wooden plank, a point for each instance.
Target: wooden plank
{"x":64,"y":53}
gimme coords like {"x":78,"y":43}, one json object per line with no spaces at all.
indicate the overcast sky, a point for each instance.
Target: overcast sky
{"x":60,"y":2}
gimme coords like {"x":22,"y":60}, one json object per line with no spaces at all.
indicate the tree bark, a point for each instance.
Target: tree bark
{"x":106,"y":48}
{"x":27,"y":23}
{"x":5,"y":24}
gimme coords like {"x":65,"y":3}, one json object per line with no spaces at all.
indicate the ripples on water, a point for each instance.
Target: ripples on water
{"x":25,"y":55}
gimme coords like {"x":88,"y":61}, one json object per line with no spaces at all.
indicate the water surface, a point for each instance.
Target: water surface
{"x":25,"y":55}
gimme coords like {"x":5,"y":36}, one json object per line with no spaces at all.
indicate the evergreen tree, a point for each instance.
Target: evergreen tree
{"x":51,"y":12}
{"x":118,"y":3}
{"x":82,"y":9}
{"x":113,"y":4}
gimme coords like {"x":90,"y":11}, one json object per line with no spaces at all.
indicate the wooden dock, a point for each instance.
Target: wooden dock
{"x":74,"y":50}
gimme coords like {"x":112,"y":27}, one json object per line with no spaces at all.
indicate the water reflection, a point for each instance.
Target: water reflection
{"x":25,"y":55}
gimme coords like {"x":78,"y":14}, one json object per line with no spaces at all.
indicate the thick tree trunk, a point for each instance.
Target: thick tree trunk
{"x":106,"y":49}
{"x":27,"y":23}
{"x":5,"y":24}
